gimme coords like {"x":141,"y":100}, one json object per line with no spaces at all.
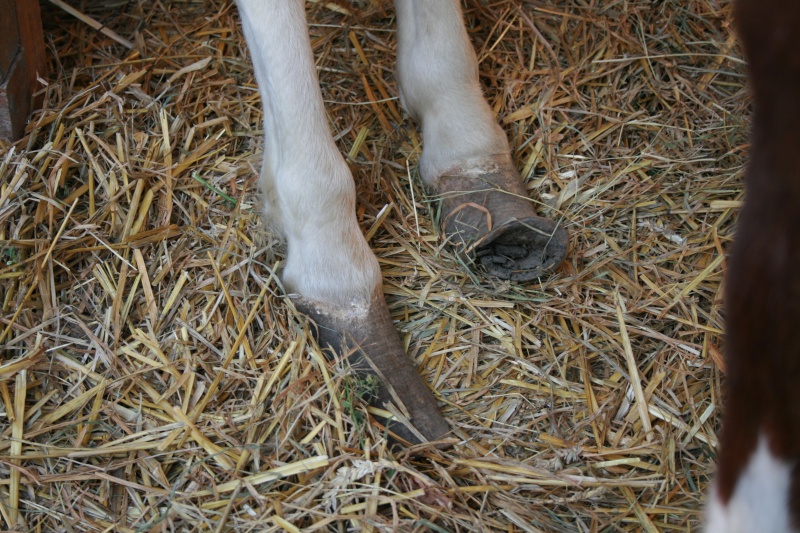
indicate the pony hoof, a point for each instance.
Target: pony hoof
{"x":489,"y":221}
{"x":370,"y":345}
{"x":522,"y":250}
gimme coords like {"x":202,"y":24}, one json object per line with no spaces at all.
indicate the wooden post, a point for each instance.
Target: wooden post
{"x":22,"y":60}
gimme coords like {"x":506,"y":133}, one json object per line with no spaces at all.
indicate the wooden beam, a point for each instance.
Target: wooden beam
{"x":22,"y":60}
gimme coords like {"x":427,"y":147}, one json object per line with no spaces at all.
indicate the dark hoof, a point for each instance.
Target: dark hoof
{"x":522,"y":250}
{"x":368,"y":341}
{"x":489,"y":221}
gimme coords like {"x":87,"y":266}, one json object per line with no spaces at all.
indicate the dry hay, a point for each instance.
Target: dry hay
{"x":156,"y":378}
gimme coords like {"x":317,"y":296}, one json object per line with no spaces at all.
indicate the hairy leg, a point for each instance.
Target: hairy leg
{"x":311,"y":198}
{"x":312,"y":192}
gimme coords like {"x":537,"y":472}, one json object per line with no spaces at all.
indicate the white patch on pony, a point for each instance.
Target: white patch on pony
{"x":760,"y":501}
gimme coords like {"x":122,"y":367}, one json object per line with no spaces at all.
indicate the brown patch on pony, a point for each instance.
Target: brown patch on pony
{"x":763,"y":286}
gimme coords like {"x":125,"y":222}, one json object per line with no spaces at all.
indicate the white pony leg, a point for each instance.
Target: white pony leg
{"x":486,"y":214}
{"x":311,"y":197}
{"x":309,"y":188}
{"x":437,"y":71}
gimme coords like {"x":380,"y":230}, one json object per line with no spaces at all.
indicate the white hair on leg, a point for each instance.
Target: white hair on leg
{"x":309,"y":188}
{"x":437,"y":72}
{"x":760,"y":501}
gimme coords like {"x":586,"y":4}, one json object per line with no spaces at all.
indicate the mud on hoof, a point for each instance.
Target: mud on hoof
{"x":369,"y":342}
{"x":489,"y":221}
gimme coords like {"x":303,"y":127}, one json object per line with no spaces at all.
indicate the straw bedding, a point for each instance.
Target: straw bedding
{"x":155,"y":377}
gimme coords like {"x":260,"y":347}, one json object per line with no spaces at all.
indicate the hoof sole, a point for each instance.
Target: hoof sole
{"x":522,"y":250}
{"x":489,"y":221}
